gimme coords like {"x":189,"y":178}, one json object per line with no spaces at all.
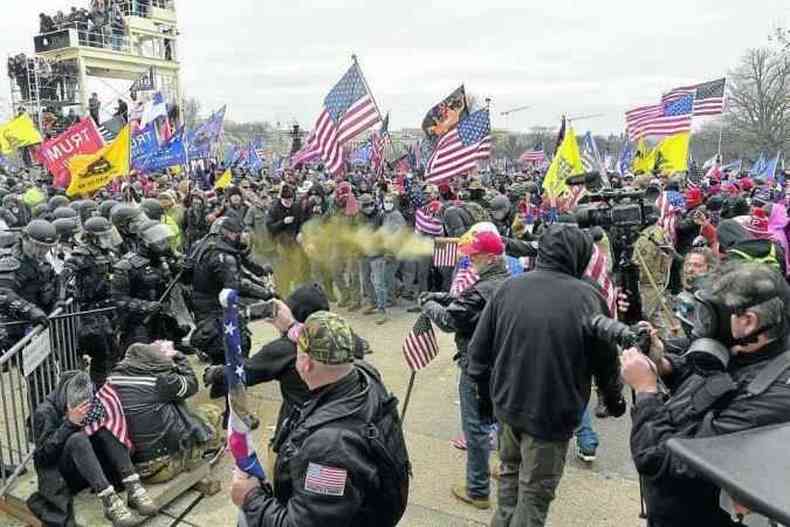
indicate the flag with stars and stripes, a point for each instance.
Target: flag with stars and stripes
{"x":240,"y":442}
{"x":459,"y":150}
{"x":349,"y":110}
{"x":445,"y":252}
{"x":670,"y":205}
{"x":598,"y":272}
{"x":377,"y":141}
{"x":591,"y":157}
{"x":708,"y":96}
{"x":661,"y":119}
{"x":420,"y":346}
{"x":107,"y":412}
{"x":533,"y":156}
{"x":465,"y":277}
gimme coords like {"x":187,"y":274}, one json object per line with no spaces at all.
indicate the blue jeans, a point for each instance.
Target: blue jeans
{"x":478,"y":441}
{"x":380,"y":278}
{"x":586,"y":438}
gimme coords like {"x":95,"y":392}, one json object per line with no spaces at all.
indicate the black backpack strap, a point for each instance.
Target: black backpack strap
{"x":769,"y":374}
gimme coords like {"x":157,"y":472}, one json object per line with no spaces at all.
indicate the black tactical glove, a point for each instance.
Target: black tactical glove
{"x":38,"y":317}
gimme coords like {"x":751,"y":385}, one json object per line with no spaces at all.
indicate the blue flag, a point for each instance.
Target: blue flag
{"x":758,"y":166}
{"x":626,"y":158}
{"x":149,"y":156}
{"x":201,"y":141}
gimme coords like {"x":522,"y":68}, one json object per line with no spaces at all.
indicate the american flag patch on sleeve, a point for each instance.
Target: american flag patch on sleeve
{"x":329,"y":481}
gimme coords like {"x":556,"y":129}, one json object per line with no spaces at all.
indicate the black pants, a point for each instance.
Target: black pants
{"x":101,"y":349}
{"x":94,"y":461}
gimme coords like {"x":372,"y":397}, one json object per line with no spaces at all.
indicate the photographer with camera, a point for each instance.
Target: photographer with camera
{"x":734,"y":376}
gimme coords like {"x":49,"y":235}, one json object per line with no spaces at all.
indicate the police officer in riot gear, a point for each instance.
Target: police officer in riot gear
{"x":87,"y":277}
{"x":127,"y":220}
{"x":219,"y":262}
{"x":27,"y":281}
{"x":139,"y":282}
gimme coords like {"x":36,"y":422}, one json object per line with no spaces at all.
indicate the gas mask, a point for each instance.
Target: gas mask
{"x":35,"y":249}
{"x":712,"y":319}
{"x":156,"y":240}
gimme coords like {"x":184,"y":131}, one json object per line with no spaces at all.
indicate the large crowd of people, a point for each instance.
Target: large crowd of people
{"x":165,"y":249}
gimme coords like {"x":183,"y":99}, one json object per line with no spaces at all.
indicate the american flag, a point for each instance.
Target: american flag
{"x":349,"y":110}
{"x":378,"y":140}
{"x":322,"y":479}
{"x":240,"y":441}
{"x":309,"y":152}
{"x":533,"y":156}
{"x":459,"y":150}
{"x":445,"y":253}
{"x":465,"y":277}
{"x":427,"y":223}
{"x":670,"y":204}
{"x":708,"y":96}
{"x":598,"y":271}
{"x":107,"y":412}
{"x":660,"y":119}
{"x":420,"y":346}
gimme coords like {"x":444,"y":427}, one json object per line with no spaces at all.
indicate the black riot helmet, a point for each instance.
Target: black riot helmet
{"x":64,"y":212}
{"x":126,"y":218}
{"x":230,"y":229}
{"x":105,"y":207}
{"x":39,"y":211}
{"x":152,"y":208}
{"x":38,"y":238}
{"x":155,"y":239}
{"x":98,"y":232}
{"x":57,"y":201}
{"x":66,"y":228}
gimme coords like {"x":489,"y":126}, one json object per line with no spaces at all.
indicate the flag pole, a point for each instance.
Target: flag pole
{"x":408,"y":396}
{"x":367,"y":87}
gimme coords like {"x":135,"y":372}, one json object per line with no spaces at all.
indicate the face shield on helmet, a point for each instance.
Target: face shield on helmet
{"x":157,"y":239}
{"x":36,"y":249}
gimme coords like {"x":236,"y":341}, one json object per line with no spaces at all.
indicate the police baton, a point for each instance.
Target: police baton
{"x":167,"y":292}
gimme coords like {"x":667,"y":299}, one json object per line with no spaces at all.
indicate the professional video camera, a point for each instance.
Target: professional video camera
{"x":623,"y":214}
{"x":610,"y":330}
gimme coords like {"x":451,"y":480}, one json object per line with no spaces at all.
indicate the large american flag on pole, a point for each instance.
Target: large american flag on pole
{"x":533,"y":156}
{"x":349,"y":110}
{"x":420,"y":346}
{"x":661,"y":119}
{"x":107,"y":412}
{"x":459,"y":150}
{"x":708,"y":96}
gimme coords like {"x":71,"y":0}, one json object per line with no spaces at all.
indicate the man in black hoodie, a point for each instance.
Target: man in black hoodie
{"x":533,"y":350}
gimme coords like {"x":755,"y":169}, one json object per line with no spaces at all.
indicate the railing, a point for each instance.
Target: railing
{"x":142,"y":8}
{"x":29,"y":371}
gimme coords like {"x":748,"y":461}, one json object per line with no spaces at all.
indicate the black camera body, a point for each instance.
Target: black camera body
{"x":610,"y":330}
{"x":621,"y":208}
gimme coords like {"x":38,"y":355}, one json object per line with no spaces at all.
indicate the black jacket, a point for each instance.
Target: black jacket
{"x":533,"y":343}
{"x":275,"y":222}
{"x":460,"y":315}
{"x":321,"y":436}
{"x":675,"y":495}
{"x":152,"y":395}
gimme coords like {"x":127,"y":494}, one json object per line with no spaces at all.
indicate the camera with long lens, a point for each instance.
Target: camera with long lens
{"x":625,"y":336}
{"x":613,"y":208}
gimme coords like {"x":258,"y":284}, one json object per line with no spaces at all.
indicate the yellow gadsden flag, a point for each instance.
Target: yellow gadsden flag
{"x":644,"y":159}
{"x":567,"y":162}
{"x":92,"y":172}
{"x":673,"y":154}
{"x":224,"y":180}
{"x":17,"y":133}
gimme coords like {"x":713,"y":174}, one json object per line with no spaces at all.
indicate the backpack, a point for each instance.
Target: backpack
{"x":387,"y":448}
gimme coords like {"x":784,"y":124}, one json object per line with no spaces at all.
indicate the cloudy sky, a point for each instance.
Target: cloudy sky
{"x":276,"y":60}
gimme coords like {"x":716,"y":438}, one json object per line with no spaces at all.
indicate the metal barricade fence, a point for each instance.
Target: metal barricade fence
{"x":29,"y":371}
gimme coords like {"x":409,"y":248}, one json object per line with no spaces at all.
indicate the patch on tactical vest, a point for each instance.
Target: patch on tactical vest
{"x":329,"y":481}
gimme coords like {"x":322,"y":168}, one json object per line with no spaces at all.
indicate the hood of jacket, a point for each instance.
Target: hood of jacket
{"x":306,"y":300}
{"x":564,"y":249}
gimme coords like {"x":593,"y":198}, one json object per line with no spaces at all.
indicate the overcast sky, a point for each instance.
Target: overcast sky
{"x":276,"y":60}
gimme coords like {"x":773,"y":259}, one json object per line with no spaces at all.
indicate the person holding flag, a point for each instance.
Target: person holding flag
{"x":345,"y":443}
{"x":459,"y":314}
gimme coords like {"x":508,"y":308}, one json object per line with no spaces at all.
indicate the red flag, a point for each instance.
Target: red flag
{"x":80,"y":138}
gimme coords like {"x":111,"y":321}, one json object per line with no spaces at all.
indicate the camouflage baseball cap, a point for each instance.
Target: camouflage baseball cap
{"x":327,"y":338}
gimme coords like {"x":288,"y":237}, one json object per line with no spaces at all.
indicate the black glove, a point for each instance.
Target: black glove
{"x":615,"y":405}
{"x":267,"y":269}
{"x":38,"y":317}
{"x":152,"y":308}
{"x":426,"y":297}
{"x":485,"y":406}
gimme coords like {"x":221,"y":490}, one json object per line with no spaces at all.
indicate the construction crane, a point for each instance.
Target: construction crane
{"x":514,"y":110}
